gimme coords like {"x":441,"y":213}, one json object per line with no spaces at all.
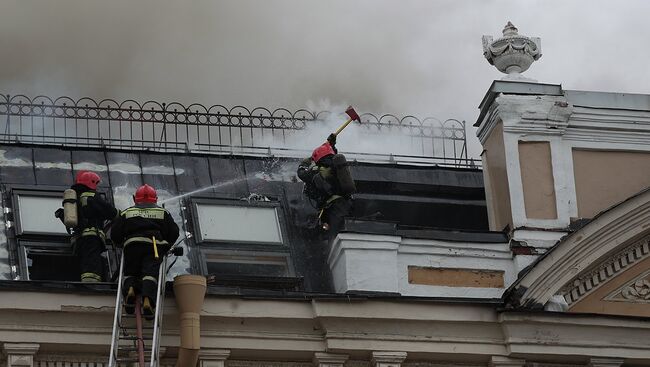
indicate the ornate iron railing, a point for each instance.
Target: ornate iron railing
{"x":215,"y":129}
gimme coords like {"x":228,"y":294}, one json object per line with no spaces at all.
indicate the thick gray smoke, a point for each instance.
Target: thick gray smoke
{"x":402,"y":57}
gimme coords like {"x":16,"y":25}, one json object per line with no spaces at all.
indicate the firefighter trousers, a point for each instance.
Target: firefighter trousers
{"x":88,"y":250}
{"x":334,"y":215}
{"x":141,"y":270}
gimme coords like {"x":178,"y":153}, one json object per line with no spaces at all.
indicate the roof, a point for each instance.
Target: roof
{"x":427,"y":201}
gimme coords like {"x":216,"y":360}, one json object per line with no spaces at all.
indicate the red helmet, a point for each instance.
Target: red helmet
{"x":322,"y":151}
{"x":88,"y":178}
{"x":145,"y":194}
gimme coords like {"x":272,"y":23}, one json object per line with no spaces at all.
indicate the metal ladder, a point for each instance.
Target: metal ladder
{"x":132,"y":341}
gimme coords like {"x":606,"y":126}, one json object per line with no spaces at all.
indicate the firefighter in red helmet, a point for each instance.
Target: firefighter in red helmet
{"x":146,"y":232}
{"x":328,"y":184}
{"x":88,"y":238}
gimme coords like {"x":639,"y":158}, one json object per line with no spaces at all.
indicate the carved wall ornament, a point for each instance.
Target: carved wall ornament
{"x":588,"y":281}
{"x":636,"y":291}
{"x":513,"y":53}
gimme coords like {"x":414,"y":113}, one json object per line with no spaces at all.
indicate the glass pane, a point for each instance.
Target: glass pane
{"x":238,"y":224}
{"x":37,"y":214}
{"x":268,"y":270}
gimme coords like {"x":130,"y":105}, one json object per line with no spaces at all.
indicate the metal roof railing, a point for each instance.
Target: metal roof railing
{"x":216,"y":129}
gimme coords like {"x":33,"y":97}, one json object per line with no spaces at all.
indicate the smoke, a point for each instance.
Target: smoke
{"x":362,"y":141}
{"x":402,"y":57}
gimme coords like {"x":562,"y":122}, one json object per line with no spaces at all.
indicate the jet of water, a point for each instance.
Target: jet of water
{"x":220,"y":184}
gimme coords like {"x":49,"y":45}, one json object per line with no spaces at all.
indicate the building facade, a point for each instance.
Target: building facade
{"x":540,"y":258}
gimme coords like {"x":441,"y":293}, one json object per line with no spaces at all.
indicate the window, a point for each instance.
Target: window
{"x":42,"y":242}
{"x":47,"y":261}
{"x":243,"y":243}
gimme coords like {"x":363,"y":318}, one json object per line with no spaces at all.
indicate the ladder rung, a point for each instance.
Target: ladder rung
{"x":128,"y":316}
{"x":126,"y":337}
{"x":130,"y":359}
{"x":133,"y":327}
{"x":132,"y":349}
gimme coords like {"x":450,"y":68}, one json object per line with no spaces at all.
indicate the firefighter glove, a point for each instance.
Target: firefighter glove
{"x":332,"y":139}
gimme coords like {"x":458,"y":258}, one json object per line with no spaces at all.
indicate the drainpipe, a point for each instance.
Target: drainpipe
{"x":189,"y":291}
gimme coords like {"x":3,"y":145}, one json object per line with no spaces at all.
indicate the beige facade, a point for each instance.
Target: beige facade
{"x":496,"y":183}
{"x":345,"y":332}
{"x":537,"y":179}
{"x":606,"y":177}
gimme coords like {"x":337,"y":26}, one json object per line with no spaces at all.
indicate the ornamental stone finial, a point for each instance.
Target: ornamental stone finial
{"x":512,"y":54}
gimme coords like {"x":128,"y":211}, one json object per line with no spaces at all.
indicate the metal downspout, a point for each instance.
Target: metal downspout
{"x":189,"y":292}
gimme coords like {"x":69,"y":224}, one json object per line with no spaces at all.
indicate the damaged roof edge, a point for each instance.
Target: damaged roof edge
{"x":510,"y":87}
{"x":609,"y":100}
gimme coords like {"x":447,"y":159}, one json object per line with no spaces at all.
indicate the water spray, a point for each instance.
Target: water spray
{"x":221,"y":184}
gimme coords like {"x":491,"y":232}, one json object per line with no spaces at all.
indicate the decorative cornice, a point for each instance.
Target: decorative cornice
{"x":586,"y":283}
{"x":635,"y":291}
{"x":21,"y":348}
{"x":329,"y":359}
{"x":606,"y":362}
{"x":242,"y":363}
{"x":500,"y":361}
{"x":392,"y":358}
{"x":525,"y":114}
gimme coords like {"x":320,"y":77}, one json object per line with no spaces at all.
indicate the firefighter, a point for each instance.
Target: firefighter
{"x":146,"y":232}
{"x":329,"y":185}
{"x":88,"y":238}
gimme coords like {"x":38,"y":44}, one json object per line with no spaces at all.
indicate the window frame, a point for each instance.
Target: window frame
{"x":239,"y":245}
{"x":208,"y":248}
{"x":46,"y":247}
{"x":206,"y":252}
{"x":55,"y":243}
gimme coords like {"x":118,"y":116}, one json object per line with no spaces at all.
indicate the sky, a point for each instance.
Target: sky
{"x":404,"y":57}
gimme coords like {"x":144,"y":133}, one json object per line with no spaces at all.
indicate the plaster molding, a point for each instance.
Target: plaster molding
{"x":245,"y":363}
{"x":500,"y":361}
{"x":606,"y":362}
{"x":541,"y":114}
{"x":278,"y":330}
{"x":635,"y":291}
{"x":357,"y":363}
{"x":587,"y":283}
{"x":20,"y":354}
{"x":388,"y":359}
{"x":329,"y":359}
{"x":490,"y":120}
{"x":546,"y":336}
{"x":527,"y":114}
{"x":213,"y":357}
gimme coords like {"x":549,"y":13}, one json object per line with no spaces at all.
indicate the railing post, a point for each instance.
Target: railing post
{"x":163,"y":134}
{"x":7,"y":130}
